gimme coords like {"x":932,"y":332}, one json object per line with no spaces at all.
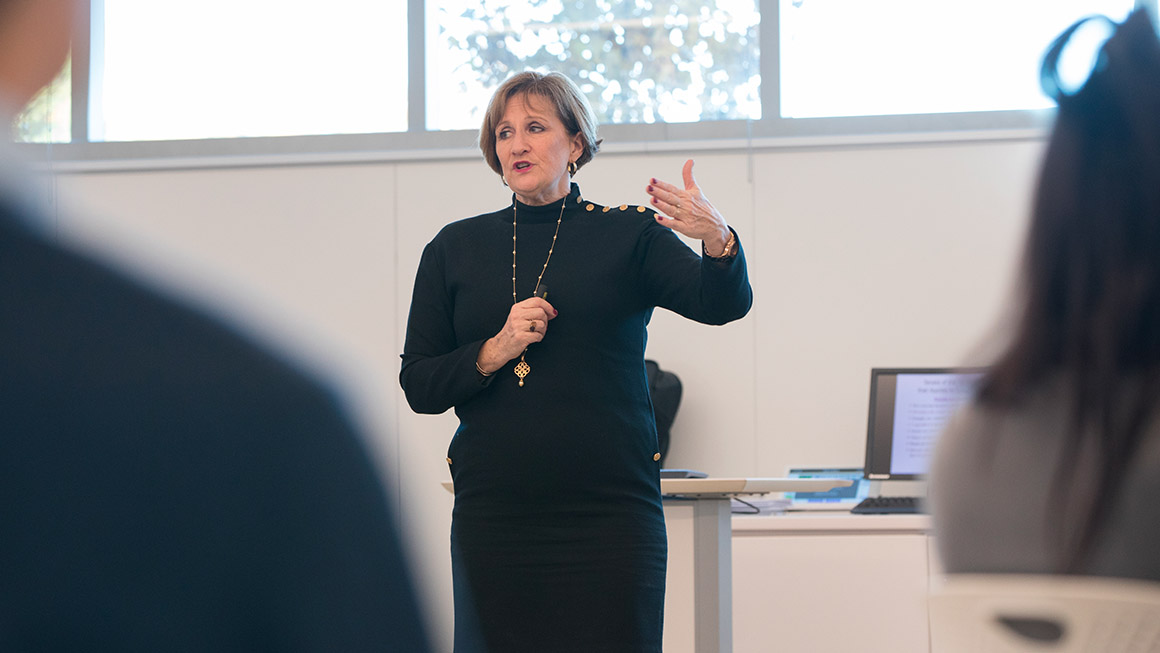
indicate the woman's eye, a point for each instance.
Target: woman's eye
{"x":503,"y":134}
{"x":535,"y":128}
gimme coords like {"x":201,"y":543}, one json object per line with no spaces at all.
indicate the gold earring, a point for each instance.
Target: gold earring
{"x":572,"y":168}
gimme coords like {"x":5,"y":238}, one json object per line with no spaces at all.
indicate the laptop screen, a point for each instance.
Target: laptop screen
{"x":908,"y":409}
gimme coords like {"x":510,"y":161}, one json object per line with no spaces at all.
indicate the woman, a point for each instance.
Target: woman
{"x":558,"y":538}
{"x":1056,"y":466}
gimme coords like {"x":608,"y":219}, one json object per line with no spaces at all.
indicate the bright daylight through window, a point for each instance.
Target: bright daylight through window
{"x":230,"y":69}
{"x":860,"y":58}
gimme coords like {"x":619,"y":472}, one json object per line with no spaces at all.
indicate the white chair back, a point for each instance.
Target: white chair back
{"x":1011,"y":613}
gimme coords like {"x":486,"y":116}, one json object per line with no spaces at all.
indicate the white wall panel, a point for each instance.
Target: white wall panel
{"x":875,"y":257}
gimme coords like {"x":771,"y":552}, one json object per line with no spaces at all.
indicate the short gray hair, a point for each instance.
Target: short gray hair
{"x":571,"y":107}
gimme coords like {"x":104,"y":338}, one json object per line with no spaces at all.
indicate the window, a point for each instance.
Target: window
{"x":859,"y":58}
{"x":228,"y":69}
{"x":277,"y":77}
{"x":637,"y":61}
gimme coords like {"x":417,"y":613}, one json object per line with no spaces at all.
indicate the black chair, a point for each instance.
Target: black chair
{"x":665,"y":389}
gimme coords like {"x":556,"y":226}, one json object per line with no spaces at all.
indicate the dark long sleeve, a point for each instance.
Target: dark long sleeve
{"x":437,"y":371}
{"x":702,"y":288}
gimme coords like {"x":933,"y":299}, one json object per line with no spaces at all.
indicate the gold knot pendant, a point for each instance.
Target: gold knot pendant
{"x":522,"y":369}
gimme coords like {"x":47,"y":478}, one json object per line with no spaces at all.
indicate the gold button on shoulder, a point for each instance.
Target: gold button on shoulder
{"x":656,"y":456}
{"x":449,"y":461}
{"x":589,"y":207}
{"x":606,"y":209}
{"x":623,"y":207}
{"x":640,"y":209}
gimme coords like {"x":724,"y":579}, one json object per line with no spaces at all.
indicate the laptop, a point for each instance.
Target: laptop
{"x":909,"y":407}
{"x":841,"y":498}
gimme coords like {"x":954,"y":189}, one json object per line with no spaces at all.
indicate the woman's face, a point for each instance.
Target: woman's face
{"x":534,"y":149}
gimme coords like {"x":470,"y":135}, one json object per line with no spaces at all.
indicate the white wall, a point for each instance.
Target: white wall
{"x":860,"y":256}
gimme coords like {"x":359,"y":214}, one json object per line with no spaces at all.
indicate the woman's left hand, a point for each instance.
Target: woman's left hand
{"x":689,"y":212}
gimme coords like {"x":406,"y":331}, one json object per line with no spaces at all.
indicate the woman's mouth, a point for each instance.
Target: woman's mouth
{"x":521,"y":165}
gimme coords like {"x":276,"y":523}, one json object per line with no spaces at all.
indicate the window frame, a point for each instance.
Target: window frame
{"x":418,"y":144}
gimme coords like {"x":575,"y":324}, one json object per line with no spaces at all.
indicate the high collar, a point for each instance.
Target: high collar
{"x":526,"y":213}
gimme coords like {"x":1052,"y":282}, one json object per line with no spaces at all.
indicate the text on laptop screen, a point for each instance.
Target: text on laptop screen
{"x":908,"y":409}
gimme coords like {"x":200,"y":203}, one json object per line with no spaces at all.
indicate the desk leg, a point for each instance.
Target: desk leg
{"x":713,"y":575}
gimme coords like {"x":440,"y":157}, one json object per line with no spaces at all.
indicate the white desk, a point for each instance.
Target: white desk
{"x":723,"y":488}
{"x":699,"y":586}
{"x":832,"y":582}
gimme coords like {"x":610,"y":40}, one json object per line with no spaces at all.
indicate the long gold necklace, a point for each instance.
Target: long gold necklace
{"x":522,"y":367}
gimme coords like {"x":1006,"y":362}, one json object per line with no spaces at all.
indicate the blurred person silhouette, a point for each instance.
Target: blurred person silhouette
{"x":1055,"y":466}
{"x":166,"y":485}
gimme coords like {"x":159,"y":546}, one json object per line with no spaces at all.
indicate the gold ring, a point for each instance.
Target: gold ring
{"x":532,"y":326}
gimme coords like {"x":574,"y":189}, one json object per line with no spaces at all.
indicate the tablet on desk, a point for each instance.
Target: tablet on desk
{"x":839,"y":498}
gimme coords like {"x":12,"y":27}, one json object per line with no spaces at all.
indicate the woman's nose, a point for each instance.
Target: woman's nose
{"x":517,"y":143}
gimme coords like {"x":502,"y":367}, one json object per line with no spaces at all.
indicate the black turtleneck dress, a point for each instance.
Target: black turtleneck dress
{"x":558,"y":537}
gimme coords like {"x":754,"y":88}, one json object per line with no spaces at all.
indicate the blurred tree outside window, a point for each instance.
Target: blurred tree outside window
{"x":637,"y":61}
{"x":48,"y":117}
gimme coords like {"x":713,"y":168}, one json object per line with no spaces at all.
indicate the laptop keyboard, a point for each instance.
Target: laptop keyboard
{"x":889,"y":505}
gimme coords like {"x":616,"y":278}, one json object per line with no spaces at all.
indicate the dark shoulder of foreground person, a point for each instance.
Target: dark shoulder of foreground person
{"x":174,"y":435}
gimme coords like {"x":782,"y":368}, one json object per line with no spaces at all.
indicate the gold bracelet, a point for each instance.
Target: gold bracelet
{"x":480,"y":370}
{"x":730,"y":247}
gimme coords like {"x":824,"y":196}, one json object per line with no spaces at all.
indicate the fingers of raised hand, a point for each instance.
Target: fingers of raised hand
{"x":671,"y":199}
{"x":687,"y":175}
{"x":668,"y":199}
{"x":689,"y":211}
{"x":697,"y":218}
